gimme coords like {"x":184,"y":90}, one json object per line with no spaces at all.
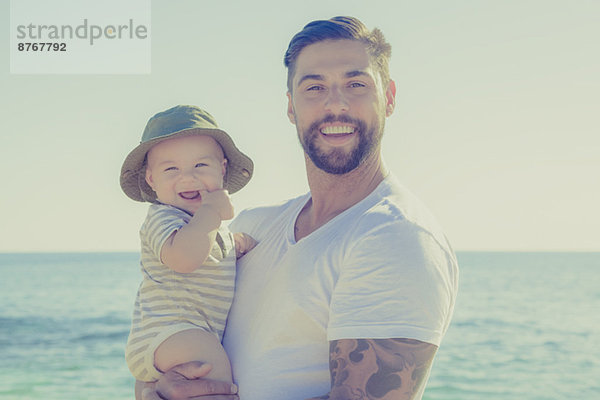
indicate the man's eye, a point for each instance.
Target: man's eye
{"x":314,"y":88}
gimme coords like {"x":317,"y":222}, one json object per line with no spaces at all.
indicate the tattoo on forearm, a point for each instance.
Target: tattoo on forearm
{"x":378,"y":368}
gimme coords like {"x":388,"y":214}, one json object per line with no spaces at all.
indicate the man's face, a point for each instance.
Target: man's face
{"x":338,"y":104}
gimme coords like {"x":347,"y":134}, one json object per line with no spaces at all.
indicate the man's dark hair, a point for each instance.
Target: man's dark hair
{"x":339,"y":28}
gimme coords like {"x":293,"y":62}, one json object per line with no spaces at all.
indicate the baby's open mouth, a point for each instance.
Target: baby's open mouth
{"x":193,"y":195}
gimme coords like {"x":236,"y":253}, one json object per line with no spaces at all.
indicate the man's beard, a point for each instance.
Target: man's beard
{"x":339,"y":161}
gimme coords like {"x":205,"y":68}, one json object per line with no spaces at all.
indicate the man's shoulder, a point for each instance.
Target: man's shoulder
{"x":392,"y":203}
{"x":262,"y":216}
{"x":397,"y":232}
{"x":395,"y":212}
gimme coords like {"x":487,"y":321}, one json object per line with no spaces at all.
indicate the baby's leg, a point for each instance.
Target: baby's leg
{"x":194,"y":345}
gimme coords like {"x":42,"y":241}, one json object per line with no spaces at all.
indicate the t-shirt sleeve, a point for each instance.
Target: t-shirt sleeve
{"x":160,"y":223}
{"x":395,"y":282}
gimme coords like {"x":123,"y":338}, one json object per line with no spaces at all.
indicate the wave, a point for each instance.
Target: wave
{"x":18,"y":331}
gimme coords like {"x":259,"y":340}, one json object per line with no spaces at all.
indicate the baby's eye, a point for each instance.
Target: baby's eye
{"x":357,"y":85}
{"x":170,"y":169}
{"x":201,"y":165}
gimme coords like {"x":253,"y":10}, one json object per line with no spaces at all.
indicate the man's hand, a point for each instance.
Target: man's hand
{"x":185,"y":382}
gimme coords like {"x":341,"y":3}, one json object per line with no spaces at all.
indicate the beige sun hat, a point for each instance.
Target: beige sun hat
{"x":182,"y":121}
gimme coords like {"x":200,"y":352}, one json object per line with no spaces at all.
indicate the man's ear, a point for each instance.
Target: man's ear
{"x":290,"y":111}
{"x":390,"y":98}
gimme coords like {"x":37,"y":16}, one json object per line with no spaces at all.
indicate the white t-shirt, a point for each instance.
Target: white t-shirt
{"x":381,"y":269}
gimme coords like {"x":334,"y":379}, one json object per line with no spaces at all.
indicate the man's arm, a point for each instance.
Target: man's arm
{"x":378,"y":368}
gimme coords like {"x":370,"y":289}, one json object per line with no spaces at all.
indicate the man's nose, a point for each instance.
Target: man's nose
{"x":336,"y":101}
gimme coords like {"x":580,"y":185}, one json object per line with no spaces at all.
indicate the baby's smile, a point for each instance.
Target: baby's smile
{"x":192,"y":195}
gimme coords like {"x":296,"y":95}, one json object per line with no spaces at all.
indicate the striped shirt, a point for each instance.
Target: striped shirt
{"x":168,"y":302}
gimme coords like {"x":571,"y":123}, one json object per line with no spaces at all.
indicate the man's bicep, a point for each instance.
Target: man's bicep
{"x":378,"y":368}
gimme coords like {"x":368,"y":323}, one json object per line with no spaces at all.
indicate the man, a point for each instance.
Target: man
{"x":352,"y":286}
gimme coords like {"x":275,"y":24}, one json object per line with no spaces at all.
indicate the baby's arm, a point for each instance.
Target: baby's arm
{"x":243,"y":243}
{"x":187,"y":249}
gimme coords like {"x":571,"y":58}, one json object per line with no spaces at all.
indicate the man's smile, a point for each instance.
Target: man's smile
{"x":337,"y":130}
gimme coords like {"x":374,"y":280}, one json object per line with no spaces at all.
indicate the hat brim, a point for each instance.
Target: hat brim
{"x":133,"y":174}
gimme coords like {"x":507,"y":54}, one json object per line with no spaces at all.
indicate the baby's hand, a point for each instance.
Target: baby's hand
{"x":219,"y":200}
{"x":243,"y":243}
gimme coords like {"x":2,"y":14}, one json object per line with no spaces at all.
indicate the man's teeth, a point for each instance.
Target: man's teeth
{"x":337,"y":130}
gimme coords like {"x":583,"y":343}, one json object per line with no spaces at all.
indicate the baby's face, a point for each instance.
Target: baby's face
{"x":179,"y":169}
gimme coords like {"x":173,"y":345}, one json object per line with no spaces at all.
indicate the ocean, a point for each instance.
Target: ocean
{"x":526,"y":326}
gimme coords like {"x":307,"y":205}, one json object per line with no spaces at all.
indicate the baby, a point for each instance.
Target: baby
{"x":185,"y":165}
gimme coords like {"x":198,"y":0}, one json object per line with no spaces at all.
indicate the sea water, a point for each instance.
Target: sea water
{"x":526,"y":326}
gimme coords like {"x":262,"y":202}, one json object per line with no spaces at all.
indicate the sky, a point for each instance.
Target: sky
{"x":496,"y":126}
